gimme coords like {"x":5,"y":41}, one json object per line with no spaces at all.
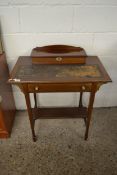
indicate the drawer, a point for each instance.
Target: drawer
{"x":58,"y":54}
{"x":59,"y":60}
{"x":59,"y":87}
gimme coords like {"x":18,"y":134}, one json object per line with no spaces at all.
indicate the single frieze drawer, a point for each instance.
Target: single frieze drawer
{"x":59,"y":87}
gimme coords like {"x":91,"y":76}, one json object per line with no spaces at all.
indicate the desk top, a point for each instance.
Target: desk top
{"x":26,"y":72}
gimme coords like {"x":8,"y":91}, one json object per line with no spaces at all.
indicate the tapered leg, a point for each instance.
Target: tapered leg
{"x":27,"y":98}
{"x":80,"y":100}
{"x":35,"y":100}
{"x":90,"y":108}
{"x":81,"y":105}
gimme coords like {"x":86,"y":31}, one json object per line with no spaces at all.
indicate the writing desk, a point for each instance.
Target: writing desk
{"x":34,"y":79}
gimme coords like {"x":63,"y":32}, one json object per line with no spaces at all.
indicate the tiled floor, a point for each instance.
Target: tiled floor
{"x":60,"y":148}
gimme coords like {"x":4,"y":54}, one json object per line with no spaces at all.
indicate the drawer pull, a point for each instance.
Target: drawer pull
{"x":36,"y":88}
{"x":58,"y":58}
{"x":83,"y":88}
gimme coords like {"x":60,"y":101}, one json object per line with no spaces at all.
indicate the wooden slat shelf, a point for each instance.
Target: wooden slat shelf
{"x":60,"y":112}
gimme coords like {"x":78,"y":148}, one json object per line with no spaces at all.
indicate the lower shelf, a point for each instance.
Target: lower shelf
{"x":63,"y":112}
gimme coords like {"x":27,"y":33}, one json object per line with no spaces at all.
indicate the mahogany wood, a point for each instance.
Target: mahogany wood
{"x":35,"y":99}
{"x":27,"y":97}
{"x":89,"y":110}
{"x":32,"y":79}
{"x":7,"y":105}
{"x":58,"y":54}
{"x":60,"y":112}
{"x":48,"y":77}
{"x":80,"y":100}
{"x":59,"y":60}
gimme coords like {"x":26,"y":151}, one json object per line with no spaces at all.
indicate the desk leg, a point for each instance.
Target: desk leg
{"x":80,"y":100}
{"x":81,"y":105}
{"x":90,"y":108}
{"x":35,"y":100}
{"x":27,"y":98}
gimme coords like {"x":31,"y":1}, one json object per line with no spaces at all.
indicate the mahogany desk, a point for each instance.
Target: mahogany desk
{"x":34,"y":79}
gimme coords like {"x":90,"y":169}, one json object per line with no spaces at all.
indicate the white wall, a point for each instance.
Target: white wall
{"x":91,"y":24}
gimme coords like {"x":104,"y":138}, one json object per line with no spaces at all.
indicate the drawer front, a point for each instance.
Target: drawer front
{"x":59,"y":87}
{"x":59,"y":60}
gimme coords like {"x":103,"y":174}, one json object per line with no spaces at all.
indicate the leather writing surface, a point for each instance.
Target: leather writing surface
{"x":92,"y":71}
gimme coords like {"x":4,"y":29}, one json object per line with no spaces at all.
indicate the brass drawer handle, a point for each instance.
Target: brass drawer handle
{"x":58,"y":58}
{"x":83,"y":88}
{"x":36,"y":88}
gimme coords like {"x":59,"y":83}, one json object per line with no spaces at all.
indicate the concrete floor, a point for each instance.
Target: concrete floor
{"x":60,"y":148}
